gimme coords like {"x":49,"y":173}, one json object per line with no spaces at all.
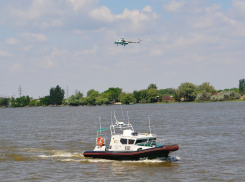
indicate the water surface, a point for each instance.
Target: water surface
{"x":47,"y":143}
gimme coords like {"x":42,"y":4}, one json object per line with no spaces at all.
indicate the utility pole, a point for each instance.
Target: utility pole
{"x":76,"y":92}
{"x":20,"y":89}
{"x":67,"y":93}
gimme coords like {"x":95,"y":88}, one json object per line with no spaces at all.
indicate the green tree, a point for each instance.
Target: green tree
{"x":236,"y":90}
{"x":46,"y":100}
{"x":40,"y":102}
{"x":144,"y":94}
{"x":188,"y":91}
{"x":167,"y":91}
{"x":12,"y":102}
{"x":25,"y":100}
{"x":152,"y":85}
{"x":127,"y":98}
{"x":4,"y":102}
{"x":206,"y":87}
{"x":203,"y":96}
{"x":83,"y":101}
{"x":106,"y":101}
{"x":177,"y":95}
{"x":137,"y":95}
{"x":20,"y":102}
{"x":91,"y":96}
{"x":56,"y":95}
{"x":113,"y":93}
{"x":242,"y":86}
{"x":32,"y":102}
{"x":99,"y":101}
{"x":74,"y":99}
{"x":152,"y":95}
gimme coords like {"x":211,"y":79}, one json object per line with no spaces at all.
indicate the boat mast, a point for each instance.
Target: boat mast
{"x":149,"y":124}
{"x":100,"y":124}
{"x":128,"y":117}
{"x":122,"y":113}
{"x":111,"y":118}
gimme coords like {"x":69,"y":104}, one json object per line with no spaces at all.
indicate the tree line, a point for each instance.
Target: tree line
{"x":55,"y":97}
{"x":185,"y":92}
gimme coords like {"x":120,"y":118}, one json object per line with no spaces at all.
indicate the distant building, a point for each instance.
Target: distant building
{"x":167,"y":98}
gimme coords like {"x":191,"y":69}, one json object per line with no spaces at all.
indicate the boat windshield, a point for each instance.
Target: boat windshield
{"x":150,"y":139}
{"x":141,"y":141}
{"x":144,"y":140}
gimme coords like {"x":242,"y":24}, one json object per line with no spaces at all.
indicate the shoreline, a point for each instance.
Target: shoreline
{"x":191,"y":102}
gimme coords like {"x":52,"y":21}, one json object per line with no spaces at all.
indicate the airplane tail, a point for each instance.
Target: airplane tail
{"x":139,"y":40}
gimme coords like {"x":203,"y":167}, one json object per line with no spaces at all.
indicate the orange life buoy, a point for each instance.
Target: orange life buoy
{"x":100,"y":141}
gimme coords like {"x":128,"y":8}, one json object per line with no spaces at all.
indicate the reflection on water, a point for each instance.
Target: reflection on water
{"x":48,"y":143}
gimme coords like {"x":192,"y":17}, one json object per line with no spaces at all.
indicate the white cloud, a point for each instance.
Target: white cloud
{"x":35,"y":37}
{"x":88,"y":51}
{"x":5,"y":54}
{"x":79,"y":4}
{"x":103,"y":14}
{"x":16,"y":68}
{"x":138,"y":21}
{"x":27,"y":48}
{"x":44,"y":62}
{"x":135,"y":16}
{"x":53,"y":23}
{"x":147,"y":8}
{"x":156,"y":52}
{"x":99,"y":67}
{"x":57,"y":52}
{"x":173,"y":5}
{"x":12,"y":41}
{"x":239,"y":4}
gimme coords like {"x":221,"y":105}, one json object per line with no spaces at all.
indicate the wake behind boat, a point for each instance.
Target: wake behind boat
{"x":129,"y":145}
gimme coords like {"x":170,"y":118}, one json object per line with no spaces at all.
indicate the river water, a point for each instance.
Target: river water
{"x":47,"y":143}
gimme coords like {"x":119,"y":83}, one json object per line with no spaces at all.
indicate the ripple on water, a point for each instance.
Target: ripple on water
{"x":47,"y":144}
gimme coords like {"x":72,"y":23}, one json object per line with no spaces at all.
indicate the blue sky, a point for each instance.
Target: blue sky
{"x":117,"y":6}
{"x":70,"y":43}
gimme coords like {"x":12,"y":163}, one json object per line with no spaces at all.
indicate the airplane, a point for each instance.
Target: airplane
{"x":124,"y":42}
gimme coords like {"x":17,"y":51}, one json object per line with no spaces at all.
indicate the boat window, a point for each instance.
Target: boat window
{"x":150,"y":139}
{"x":130,"y":141}
{"x":123,"y":141}
{"x":140,"y":141}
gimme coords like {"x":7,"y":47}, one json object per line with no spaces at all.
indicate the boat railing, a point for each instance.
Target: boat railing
{"x":147,"y":134}
{"x":152,"y":143}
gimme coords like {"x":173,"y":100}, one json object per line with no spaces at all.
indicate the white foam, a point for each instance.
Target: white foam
{"x":70,"y":160}
{"x":44,"y":156}
{"x":173,"y":158}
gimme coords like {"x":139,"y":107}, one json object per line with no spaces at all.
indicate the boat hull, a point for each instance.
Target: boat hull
{"x":151,"y":153}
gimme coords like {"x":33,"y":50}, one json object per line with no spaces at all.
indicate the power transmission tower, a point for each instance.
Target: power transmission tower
{"x":20,"y":89}
{"x":76,"y":92}
{"x":67,"y":93}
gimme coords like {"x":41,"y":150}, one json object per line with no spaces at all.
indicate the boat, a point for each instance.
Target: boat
{"x":129,"y":145}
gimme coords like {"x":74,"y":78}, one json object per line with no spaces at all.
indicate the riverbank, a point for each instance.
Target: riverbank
{"x":183,"y":102}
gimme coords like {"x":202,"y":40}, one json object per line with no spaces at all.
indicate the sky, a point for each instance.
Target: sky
{"x":70,"y":43}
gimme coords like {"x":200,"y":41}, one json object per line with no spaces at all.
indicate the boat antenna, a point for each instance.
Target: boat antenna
{"x":122,"y":113}
{"x":149,"y":124}
{"x":115,"y":118}
{"x":100,"y":124}
{"x":128,"y":117}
